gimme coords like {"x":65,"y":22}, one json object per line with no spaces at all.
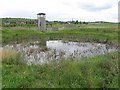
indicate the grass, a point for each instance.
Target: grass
{"x":103,"y":35}
{"x":10,"y":56}
{"x":97,"y":72}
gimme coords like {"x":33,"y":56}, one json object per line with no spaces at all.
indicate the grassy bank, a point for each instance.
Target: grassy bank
{"x":97,"y":72}
{"x":103,"y":35}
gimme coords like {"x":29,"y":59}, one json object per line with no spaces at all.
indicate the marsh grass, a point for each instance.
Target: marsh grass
{"x":102,"y":35}
{"x":10,"y":56}
{"x":97,"y":72}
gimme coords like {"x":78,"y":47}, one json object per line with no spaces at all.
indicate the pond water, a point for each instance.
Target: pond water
{"x":59,"y":50}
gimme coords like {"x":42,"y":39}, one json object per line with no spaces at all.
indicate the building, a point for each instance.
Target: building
{"x":41,"y":21}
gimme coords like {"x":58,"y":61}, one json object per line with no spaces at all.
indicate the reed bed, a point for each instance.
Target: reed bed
{"x":10,"y":56}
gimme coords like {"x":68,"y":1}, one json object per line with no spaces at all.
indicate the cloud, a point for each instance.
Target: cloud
{"x":64,"y":10}
{"x":93,"y":8}
{"x":97,"y":5}
{"x":20,"y":13}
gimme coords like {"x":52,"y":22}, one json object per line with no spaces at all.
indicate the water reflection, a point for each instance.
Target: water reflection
{"x":57,"y":50}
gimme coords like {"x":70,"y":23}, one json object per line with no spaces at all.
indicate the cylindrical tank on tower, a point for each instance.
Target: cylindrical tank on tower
{"x":41,"y":21}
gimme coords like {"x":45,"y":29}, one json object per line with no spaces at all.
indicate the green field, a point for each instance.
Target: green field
{"x":83,"y":33}
{"x":97,"y":72}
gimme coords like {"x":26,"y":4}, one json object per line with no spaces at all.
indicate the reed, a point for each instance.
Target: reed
{"x":10,"y":56}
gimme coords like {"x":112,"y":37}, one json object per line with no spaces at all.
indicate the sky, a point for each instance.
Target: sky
{"x":61,"y":10}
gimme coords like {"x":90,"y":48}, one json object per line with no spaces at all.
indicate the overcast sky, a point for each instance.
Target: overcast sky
{"x":63,"y":10}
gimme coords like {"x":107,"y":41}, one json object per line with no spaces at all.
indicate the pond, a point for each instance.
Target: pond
{"x":59,"y":50}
